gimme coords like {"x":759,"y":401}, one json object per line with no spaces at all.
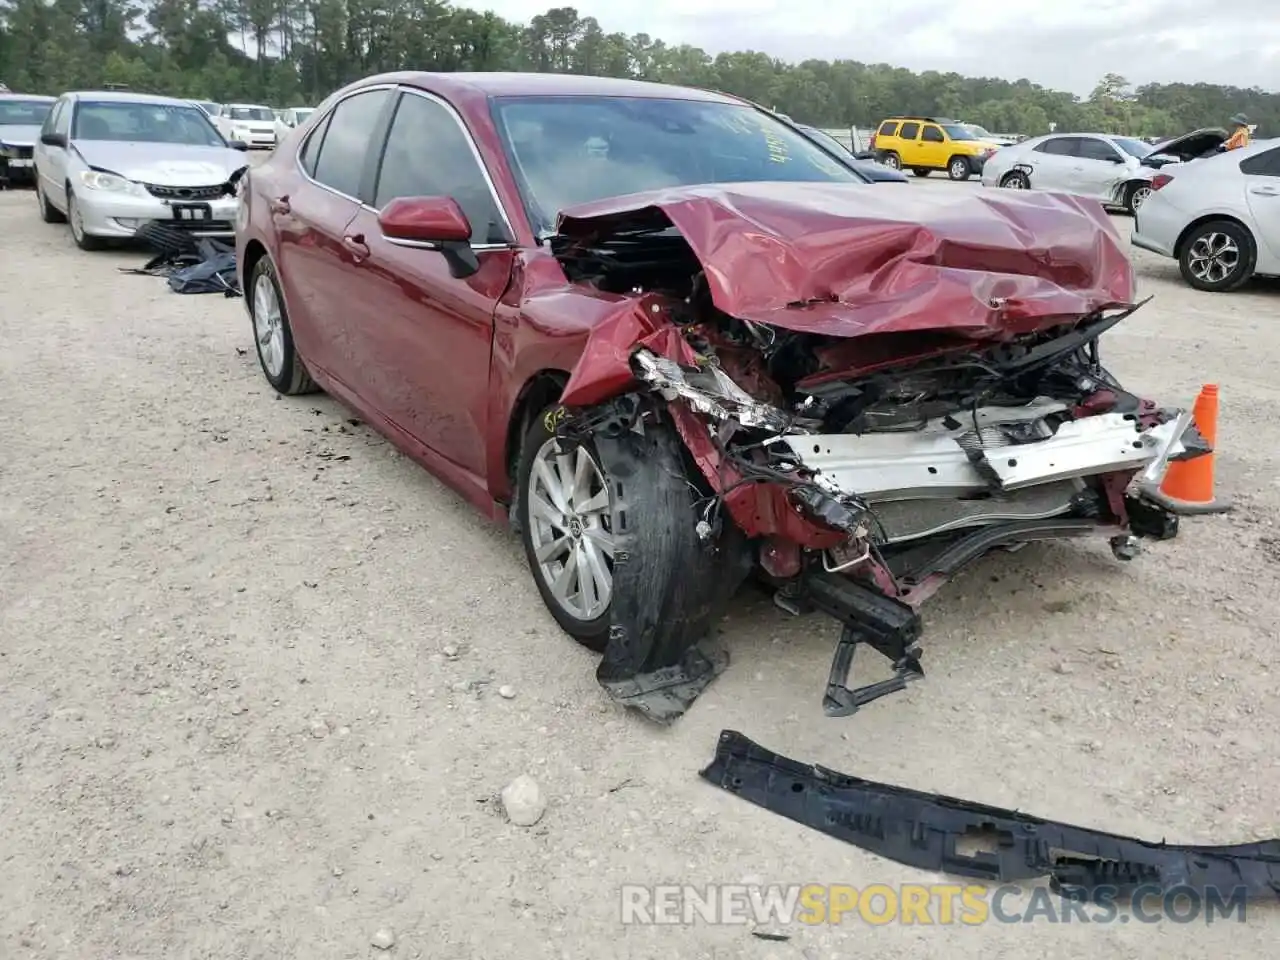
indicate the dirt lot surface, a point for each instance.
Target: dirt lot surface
{"x":250,"y":660}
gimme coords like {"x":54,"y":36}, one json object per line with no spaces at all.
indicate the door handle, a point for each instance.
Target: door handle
{"x":356,"y":246}
{"x":1264,"y":191}
{"x":280,"y":205}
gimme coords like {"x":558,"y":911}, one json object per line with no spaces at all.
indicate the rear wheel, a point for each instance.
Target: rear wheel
{"x":891,"y":160}
{"x":1218,"y":256}
{"x":1017,"y":180}
{"x":273,"y":336}
{"x":959,"y":169}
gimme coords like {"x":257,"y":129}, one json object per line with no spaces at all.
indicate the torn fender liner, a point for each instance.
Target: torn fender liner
{"x":849,"y":260}
{"x":923,"y":829}
{"x":669,"y":584}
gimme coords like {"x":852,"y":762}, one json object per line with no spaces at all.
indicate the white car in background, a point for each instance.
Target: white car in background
{"x":288,"y":119}
{"x":250,"y":123}
{"x":1218,"y":217}
{"x":1097,"y":165}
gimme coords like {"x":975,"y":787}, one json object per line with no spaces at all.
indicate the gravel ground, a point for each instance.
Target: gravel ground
{"x":250,"y":660}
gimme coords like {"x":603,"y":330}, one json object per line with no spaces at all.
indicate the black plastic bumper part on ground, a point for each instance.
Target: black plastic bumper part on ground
{"x":925,"y":829}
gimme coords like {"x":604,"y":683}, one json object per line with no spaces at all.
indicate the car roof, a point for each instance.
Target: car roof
{"x":548,"y":85}
{"x":27,"y":97}
{"x":125,"y":96}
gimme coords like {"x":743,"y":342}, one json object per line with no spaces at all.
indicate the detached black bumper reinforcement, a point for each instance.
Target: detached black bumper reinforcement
{"x":927,"y":830}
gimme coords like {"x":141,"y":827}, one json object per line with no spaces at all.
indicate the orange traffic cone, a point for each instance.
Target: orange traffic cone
{"x":1188,"y":484}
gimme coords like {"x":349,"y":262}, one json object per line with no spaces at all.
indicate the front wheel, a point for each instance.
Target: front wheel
{"x":85,"y":241}
{"x":566,"y":522}
{"x":959,"y":169}
{"x":1218,"y":256}
{"x":48,"y":212}
{"x":1135,"y":196}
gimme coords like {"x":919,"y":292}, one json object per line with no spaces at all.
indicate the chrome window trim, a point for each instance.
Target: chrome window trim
{"x":471,"y":143}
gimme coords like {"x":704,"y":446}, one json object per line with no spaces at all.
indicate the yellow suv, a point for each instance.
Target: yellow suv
{"x":925,"y":144}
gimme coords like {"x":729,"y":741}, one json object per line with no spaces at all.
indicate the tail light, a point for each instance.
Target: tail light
{"x":871,"y":143}
{"x":1161,"y":180}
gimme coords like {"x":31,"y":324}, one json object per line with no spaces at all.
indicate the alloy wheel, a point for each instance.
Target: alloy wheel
{"x":1139,"y":197}
{"x":1213,"y":257}
{"x":569,"y":526}
{"x":268,"y":326}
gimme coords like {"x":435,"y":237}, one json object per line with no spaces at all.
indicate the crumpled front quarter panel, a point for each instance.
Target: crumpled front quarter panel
{"x":848,"y":260}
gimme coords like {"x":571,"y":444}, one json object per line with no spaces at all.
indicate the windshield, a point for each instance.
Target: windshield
{"x":957,"y":132}
{"x":144,"y":123}
{"x":1135,"y":148}
{"x":571,"y":150}
{"x":982,"y":133}
{"x":250,"y":113}
{"x":24,"y":113}
{"x":208,"y":106}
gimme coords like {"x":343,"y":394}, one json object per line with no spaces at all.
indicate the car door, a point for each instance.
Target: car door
{"x":1262,"y":192}
{"x":51,"y":161}
{"x":909,"y":145}
{"x":933,"y":146}
{"x":310,"y":211}
{"x":1051,"y":161}
{"x":427,"y":335}
{"x":1098,"y":167}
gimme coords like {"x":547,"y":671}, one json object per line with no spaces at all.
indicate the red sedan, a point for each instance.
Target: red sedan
{"x":675,"y":341}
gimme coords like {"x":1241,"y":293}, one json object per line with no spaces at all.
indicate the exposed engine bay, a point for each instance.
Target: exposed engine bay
{"x":865,"y":470}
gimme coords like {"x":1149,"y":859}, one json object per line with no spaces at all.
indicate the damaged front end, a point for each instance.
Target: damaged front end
{"x":850,"y":454}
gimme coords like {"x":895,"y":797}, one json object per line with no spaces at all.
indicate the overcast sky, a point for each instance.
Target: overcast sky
{"x":1063,"y":44}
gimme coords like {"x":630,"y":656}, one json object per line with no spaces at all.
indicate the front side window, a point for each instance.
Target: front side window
{"x":933,"y":134}
{"x":570,"y":150}
{"x":347,"y":140}
{"x":24,"y":113}
{"x":428,"y":155}
{"x":1091,"y":148}
{"x":125,"y":122}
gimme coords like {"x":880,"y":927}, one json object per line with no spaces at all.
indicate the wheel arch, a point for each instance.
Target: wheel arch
{"x":540,"y":390}
{"x":1201,"y":221}
{"x":254,"y":251}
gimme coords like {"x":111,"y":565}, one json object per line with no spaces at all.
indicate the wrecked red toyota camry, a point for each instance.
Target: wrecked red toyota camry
{"x":680,"y":345}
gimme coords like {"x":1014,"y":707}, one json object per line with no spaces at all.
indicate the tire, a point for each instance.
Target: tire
{"x":590,"y":627}
{"x":1016,"y":180}
{"x":1135,"y":195}
{"x":273,"y":338}
{"x":958,"y":168}
{"x":82,"y":240}
{"x":921,"y":172}
{"x":892,"y":160}
{"x":1218,"y":256}
{"x":48,"y":212}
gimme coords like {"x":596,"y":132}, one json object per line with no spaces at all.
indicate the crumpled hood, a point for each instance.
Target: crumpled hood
{"x":170,"y":165}
{"x":19,"y":135}
{"x":851,"y":260}
{"x":1191,"y":145}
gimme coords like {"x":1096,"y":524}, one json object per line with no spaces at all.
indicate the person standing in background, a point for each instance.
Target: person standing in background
{"x":1239,"y":135}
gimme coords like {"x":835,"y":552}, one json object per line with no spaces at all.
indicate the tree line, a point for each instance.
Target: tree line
{"x":298,"y":51}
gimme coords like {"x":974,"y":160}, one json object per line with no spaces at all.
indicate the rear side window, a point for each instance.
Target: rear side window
{"x":933,"y":134}
{"x":1058,"y":147}
{"x":1262,"y":164}
{"x":888,"y":128}
{"x":909,"y":131}
{"x":429,"y":155}
{"x":311,"y":149}
{"x":346,"y":141}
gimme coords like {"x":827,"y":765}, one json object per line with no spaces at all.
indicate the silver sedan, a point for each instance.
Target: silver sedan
{"x":111,"y":162}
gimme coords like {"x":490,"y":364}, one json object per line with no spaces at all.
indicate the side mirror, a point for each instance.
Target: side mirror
{"x":54,"y":140}
{"x":435,"y":221}
{"x":1115,"y":158}
{"x":238,"y":145}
